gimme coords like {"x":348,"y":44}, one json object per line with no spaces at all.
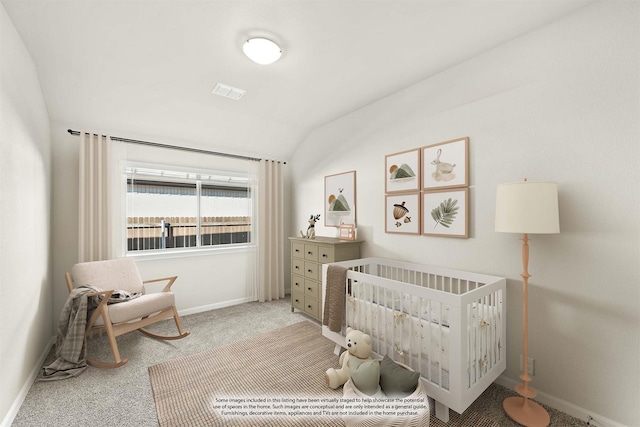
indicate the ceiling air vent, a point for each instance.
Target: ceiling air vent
{"x":228,"y":91}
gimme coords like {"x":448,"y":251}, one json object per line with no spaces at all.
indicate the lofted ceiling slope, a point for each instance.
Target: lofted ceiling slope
{"x":136,"y":67}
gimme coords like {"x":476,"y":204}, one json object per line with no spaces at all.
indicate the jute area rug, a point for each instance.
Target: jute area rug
{"x":231,"y":384}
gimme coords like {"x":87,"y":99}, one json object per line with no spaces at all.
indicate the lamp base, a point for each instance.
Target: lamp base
{"x":526,"y":412}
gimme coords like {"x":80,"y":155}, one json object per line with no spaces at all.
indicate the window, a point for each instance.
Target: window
{"x":178,"y":210}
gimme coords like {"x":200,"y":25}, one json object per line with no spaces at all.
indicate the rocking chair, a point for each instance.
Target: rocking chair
{"x":122,"y":317}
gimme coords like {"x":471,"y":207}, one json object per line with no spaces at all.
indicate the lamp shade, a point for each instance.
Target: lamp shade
{"x":527,"y":207}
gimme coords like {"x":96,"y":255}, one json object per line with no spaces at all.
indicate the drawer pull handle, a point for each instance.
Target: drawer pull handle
{"x":324,"y":255}
{"x":309,"y":252}
{"x":308,"y":306}
{"x":297,"y":300}
{"x":310,"y":271}
{"x":297,"y":268}
{"x":297,"y":250}
{"x":309,"y":288}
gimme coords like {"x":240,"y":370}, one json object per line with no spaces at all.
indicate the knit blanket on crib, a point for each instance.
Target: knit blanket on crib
{"x":334,"y":298}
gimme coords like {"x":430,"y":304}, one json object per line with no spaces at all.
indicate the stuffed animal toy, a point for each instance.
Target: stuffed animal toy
{"x":311,"y":230}
{"x":358,"y":352}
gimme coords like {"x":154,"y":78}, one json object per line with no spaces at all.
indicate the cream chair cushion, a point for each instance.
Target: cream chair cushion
{"x":117,"y":274}
{"x":136,"y":308}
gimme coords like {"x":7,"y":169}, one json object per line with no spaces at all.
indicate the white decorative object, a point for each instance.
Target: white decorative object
{"x":311,"y":229}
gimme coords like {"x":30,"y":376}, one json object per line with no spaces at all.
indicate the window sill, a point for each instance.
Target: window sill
{"x":188,"y":253}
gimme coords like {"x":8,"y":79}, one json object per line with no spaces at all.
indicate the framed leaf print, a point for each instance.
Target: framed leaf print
{"x":446,"y":164}
{"x":402,"y":171}
{"x":446,"y":213}
{"x":402,"y":213}
{"x":340,"y":199}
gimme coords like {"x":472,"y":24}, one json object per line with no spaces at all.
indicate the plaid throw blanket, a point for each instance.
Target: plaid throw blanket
{"x":71,"y":350}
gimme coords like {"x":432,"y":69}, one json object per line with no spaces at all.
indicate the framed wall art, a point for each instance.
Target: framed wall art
{"x":340,"y":199}
{"x":402,"y":171}
{"x":446,"y":164}
{"x":402,"y":213}
{"x":446,"y":213}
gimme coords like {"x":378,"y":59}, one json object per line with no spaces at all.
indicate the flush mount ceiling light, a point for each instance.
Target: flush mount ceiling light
{"x":262,"y":51}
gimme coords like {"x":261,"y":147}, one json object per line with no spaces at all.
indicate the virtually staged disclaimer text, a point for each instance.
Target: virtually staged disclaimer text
{"x":317,"y":407}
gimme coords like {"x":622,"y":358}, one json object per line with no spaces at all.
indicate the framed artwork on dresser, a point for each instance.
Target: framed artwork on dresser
{"x":340,"y":199}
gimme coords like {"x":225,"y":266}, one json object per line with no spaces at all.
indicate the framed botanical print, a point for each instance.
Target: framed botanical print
{"x":340,"y":199}
{"x":446,"y":164}
{"x":402,"y":171}
{"x":446,"y":213}
{"x":402,"y":213}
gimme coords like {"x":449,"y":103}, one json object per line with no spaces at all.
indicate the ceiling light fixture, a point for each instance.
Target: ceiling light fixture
{"x":262,"y":51}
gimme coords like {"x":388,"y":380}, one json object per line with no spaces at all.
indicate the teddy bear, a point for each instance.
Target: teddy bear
{"x":356,"y":358}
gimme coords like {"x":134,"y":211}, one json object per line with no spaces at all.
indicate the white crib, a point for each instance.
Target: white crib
{"x":449,"y":325}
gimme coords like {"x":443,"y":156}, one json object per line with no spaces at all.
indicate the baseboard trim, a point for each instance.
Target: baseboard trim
{"x":209,"y":307}
{"x":564,"y":406}
{"x":17,"y":403}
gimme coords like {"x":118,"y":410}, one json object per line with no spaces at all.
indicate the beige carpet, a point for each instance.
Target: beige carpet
{"x":288,"y":362}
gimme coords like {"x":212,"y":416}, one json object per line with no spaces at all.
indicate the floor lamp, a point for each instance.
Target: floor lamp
{"x":529,"y":208}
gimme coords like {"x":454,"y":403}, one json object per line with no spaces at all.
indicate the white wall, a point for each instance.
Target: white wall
{"x":204,"y":282}
{"x":560,"y":103}
{"x":25,"y":207}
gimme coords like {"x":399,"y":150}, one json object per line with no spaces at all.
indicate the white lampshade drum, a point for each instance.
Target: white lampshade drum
{"x":527,"y":207}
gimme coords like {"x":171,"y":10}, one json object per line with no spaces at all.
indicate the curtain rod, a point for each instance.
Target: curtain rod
{"x":177,"y":147}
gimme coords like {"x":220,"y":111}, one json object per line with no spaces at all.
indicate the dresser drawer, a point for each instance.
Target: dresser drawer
{"x":326,"y":254}
{"x":297,"y":283}
{"x":311,"y":252}
{"x":312,"y":270}
{"x":297,"y":250}
{"x":312,"y":306}
{"x":297,"y":300}
{"x":312,"y":288}
{"x":297,"y":266}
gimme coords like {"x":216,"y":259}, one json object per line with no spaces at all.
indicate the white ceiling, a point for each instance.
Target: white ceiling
{"x":147,"y":68}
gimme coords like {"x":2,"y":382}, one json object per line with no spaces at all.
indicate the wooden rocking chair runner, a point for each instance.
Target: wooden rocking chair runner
{"x":135,"y":314}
